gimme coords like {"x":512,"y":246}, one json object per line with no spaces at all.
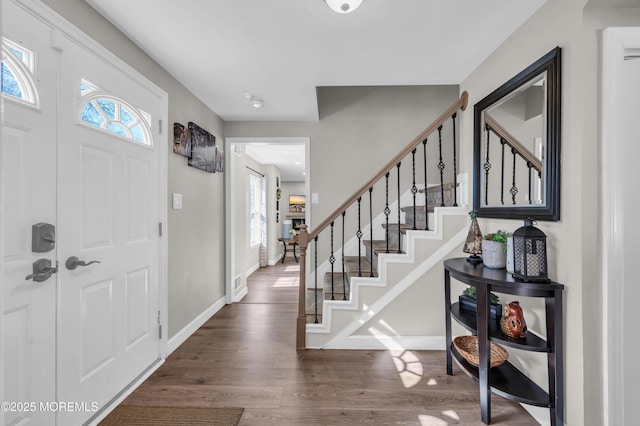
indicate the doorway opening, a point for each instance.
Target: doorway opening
{"x":255,"y":225}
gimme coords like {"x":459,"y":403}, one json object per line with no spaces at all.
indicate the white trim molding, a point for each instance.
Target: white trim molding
{"x":181,"y":336}
{"x":615,"y":43}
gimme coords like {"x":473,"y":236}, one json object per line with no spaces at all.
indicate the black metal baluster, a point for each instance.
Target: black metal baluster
{"x":387,"y":210}
{"x":414,"y":189}
{"x":529,"y":166}
{"x":514,"y":188}
{"x":455,"y":163}
{"x":399,"y":233}
{"x":359,"y":235}
{"x":332,"y":260}
{"x":344,"y":274}
{"x":315,"y":261}
{"x":426,"y":194}
{"x":487,"y":167}
{"x":441,"y":167}
{"x":371,"y":229}
{"x":503,"y":143}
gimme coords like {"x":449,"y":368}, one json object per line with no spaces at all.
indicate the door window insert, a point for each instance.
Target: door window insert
{"x":113,"y":115}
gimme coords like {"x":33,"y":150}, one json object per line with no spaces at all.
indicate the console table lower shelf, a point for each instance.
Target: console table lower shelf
{"x":507,"y":381}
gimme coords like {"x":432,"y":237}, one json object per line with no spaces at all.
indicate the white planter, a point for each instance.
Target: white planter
{"x":493,"y":254}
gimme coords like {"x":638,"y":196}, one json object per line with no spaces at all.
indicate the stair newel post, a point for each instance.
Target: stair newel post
{"x":371,"y":229}
{"x":344,"y":275}
{"x":301,"y":326}
{"x":514,"y":189}
{"x":426,"y":194}
{"x":332,"y":260}
{"x":359,"y":235}
{"x":441,"y":166}
{"x":414,"y":189}
{"x":399,"y":233}
{"x":503,"y":142}
{"x":487,"y":167}
{"x":387,"y":211}
{"x":529,"y":166}
{"x":455,"y":163}
{"x":315,"y":272}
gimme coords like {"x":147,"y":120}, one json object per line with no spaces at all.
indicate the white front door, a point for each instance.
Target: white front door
{"x":109,"y":177}
{"x":28,"y":177}
{"x":76,"y":334}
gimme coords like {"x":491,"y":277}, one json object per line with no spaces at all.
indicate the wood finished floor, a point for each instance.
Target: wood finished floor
{"x":245,"y":356}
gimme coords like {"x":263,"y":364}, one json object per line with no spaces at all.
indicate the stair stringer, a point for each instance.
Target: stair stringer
{"x":424,"y":250}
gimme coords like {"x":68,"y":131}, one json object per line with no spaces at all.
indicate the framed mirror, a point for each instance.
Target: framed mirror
{"x":516,"y":171}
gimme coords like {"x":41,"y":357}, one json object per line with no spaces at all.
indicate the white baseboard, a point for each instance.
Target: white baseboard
{"x":241,"y":294}
{"x":181,"y":336}
{"x":275,"y":261}
{"x":415,"y":343}
{"x":252,"y":269}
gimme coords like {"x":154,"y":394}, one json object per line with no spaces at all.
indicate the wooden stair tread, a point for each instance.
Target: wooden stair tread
{"x":378,"y":245}
{"x":436,"y":188}
{"x":419,"y":209}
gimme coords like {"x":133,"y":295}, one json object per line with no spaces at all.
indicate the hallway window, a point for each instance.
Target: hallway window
{"x":254,"y":209}
{"x":113,"y":115}
{"x":17,"y":69}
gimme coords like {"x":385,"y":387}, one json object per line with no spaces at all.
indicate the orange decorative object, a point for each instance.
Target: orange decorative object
{"x":512,"y":322}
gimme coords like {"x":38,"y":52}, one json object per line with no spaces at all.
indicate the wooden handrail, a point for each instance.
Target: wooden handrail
{"x":511,"y":140}
{"x":461,"y":104}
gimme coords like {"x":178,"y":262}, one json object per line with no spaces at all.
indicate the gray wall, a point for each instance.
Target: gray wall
{"x":195,"y":233}
{"x":273,"y":227}
{"x":573,"y":242}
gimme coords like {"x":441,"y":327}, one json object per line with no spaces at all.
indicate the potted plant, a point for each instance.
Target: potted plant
{"x":494,"y":249}
{"x":468,"y":302}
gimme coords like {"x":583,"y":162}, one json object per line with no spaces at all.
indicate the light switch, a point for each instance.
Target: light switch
{"x":315,"y":198}
{"x":177,"y":201}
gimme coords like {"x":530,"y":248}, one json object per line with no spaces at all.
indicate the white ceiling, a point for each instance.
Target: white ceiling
{"x":288,"y":158}
{"x":281,"y":50}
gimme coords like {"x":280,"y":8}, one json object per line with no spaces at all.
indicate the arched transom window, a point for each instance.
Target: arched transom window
{"x":17,"y":71}
{"x":113,"y":115}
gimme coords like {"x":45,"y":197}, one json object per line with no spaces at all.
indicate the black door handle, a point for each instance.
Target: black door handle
{"x":42,"y":271}
{"x":73,"y":262}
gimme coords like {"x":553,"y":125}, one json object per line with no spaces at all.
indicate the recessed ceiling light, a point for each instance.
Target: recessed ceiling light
{"x":256,"y":102}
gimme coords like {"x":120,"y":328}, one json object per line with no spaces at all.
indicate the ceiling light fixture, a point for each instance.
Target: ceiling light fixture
{"x":256,"y":102}
{"x":343,"y":6}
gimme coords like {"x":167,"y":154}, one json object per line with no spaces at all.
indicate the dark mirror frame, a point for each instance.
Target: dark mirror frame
{"x":550,"y":211}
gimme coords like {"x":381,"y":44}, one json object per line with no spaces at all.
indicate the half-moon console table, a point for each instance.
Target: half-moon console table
{"x":506,"y":380}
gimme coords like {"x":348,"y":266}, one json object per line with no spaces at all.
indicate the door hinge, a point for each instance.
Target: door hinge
{"x":160,"y":126}
{"x":159,"y":327}
{"x":160,"y":229}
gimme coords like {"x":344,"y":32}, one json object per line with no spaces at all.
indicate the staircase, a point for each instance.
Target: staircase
{"x":387,"y":268}
{"x":342,"y":322}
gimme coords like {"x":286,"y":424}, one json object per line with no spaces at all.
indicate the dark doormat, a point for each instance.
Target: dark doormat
{"x":175,"y":416}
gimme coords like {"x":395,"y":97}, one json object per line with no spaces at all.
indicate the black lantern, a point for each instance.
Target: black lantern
{"x":530,"y":254}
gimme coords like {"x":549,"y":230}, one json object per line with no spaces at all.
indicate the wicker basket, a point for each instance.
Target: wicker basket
{"x":467,"y":346}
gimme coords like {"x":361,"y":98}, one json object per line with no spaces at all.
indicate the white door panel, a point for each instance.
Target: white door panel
{"x":108,"y":212}
{"x":28,"y":177}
